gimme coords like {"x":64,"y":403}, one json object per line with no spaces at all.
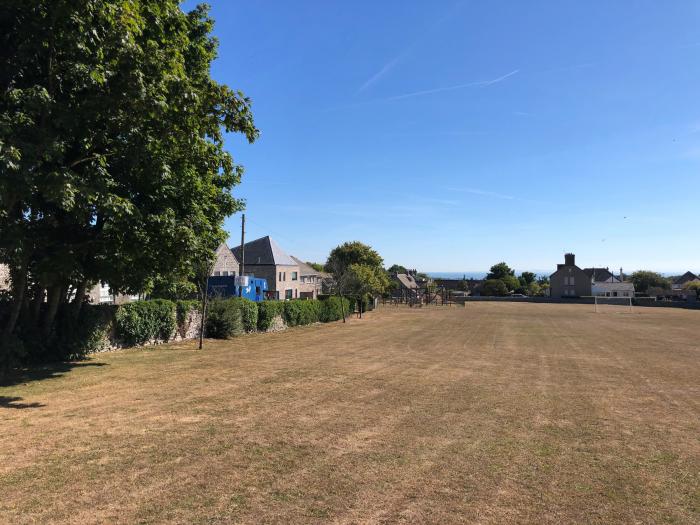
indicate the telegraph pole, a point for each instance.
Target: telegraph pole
{"x":241,"y":267}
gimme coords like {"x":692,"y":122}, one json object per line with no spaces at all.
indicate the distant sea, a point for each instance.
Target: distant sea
{"x":457,"y":275}
{"x":471,"y":275}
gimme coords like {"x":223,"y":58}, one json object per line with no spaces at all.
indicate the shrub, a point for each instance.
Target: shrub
{"x":224,"y":319}
{"x":143,"y":321}
{"x":249,"y":313}
{"x":89,"y":333}
{"x":267,"y":311}
{"x":182,"y":308}
{"x":332,"y":309}
{"x":494,"y":287}
{"x":302,"y":312}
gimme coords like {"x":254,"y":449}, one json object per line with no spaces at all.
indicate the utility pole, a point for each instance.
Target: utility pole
{"x":241,"y":268}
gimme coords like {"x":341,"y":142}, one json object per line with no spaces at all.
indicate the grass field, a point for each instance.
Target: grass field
{"x":493,"y":413}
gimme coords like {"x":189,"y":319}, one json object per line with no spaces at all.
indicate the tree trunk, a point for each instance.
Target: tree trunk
{"x":53,"y":300}
{"x":19,"y":287}
{"x":342,"y":306}
{"x":201,"y":321}
{"x":79,"y":299}
{"x":36,"y":306}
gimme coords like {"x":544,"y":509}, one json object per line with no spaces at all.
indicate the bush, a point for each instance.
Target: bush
{"x":224,"y":319}
{"x":302,"y":312}
{"x":143,"y":321}
{"x":182,"y":308}
{"x":494,"y":287}
{"x":332,"y":309}
{"x":12,"y":355}
{"x":89,"y":333}
{"x":249,"y":313}
{"x":267,"y":311}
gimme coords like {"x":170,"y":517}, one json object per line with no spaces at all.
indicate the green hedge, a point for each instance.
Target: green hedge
{"x":76,"y":338}
{"x":224,"y":319}
{"x":267,"y":311}
{"x":332,"y":309}
{"x":302,"y":311}
{"x":249,"y":313}
{"x":184,"y":307}
{"x":143,"y":321}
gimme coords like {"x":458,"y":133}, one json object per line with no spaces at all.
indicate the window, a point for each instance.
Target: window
{"x":295,"y":276}
{"x":296,"y":293}
{"x":288,"y":294}
{"x":279,"y":277}
{"x":571,"y":281}
{"x":224,"y":273}
{"x":284,"y":276}
{"x":216,"y":274}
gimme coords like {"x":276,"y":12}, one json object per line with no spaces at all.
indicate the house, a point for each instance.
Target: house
{"x":266,"y":260}
{"x":311,"y":281}
{"x":101,"y":294}
{"x":680,"y":282}
{"x":571,"y":281}
{"x":226,"y":264}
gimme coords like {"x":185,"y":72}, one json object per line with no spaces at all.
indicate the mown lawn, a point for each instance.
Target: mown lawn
{"x":493,"y":413}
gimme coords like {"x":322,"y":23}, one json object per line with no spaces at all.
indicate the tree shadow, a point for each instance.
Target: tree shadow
{"x":13,"y":402}
{"x":40,"y":373}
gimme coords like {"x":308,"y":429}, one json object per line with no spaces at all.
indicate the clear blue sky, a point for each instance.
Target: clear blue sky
{"x":451,"y":135}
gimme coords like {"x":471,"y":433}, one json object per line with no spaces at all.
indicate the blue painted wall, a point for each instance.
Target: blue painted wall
{"x":225,"y":286}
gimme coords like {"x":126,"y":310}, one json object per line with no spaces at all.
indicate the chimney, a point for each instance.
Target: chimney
{"x":622,"y":275}
{"x":569,"y":259}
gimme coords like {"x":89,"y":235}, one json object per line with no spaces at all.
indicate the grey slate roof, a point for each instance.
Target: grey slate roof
{"x":599,"y":275}
{"x":685,"y":278}
{"x":305,"y":269}
{"x":264,"y":251}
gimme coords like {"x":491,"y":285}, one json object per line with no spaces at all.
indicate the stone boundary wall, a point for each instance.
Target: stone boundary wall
{"x":638,"y":301}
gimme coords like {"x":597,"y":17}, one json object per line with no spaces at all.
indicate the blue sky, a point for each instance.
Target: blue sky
{"x":451,"y":135}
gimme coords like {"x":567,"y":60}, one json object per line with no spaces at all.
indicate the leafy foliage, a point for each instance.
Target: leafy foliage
{"x":494,"y":287}
{"x":500,"y":271}
{"x":144,"y":321}
{"x":112,"y":160}
{"x":302,"y":312}
{"x":693,"y":286}
{"x":267,"y":312}
{"x":249,"y":313}
{"x":224,"y":319}
{"x":332,"y":309}
{"x":643,"y":280}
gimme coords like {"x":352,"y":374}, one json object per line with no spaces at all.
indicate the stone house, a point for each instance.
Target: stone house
{"x":226,"y":264}
{"x":569,"y":280}
{"x":265,"y":259}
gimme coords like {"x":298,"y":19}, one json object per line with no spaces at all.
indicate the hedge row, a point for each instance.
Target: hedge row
{"x":227,"y":318}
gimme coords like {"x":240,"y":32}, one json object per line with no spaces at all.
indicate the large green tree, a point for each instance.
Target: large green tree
{"x":357,"y":269}
{"x":112,"y":160}
{"x":643,"y":280}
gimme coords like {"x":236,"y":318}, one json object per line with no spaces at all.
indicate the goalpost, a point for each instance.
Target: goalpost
{"x":623,"y":302}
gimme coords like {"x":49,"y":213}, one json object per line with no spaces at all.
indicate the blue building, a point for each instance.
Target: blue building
{"x":225,"y":286}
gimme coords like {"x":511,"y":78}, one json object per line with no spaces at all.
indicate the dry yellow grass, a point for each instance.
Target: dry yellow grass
{"x":493,"y":413}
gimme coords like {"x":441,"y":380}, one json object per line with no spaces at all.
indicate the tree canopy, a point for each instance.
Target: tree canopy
{"x":112,"y":160}
{"x":357,"y":269}
{"x":494,"y":287}
{"x":397,"y":268}
{"x":499,"y":271}
{"x":643,"y":280}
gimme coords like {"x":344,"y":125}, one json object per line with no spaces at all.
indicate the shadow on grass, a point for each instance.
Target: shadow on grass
{"x":40,"y":373}
{"x":13,"y":402}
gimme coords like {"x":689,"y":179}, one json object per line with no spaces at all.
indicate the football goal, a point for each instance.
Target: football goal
{"x":622,"y":304}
